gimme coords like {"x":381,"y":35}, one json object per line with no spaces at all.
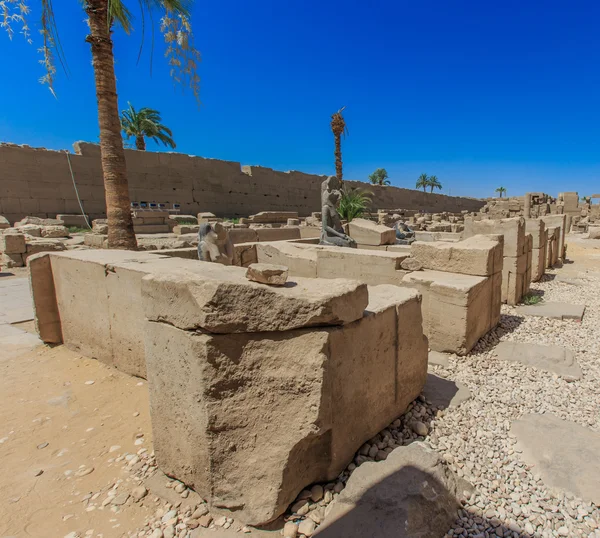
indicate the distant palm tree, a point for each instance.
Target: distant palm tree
{"x":433,"y":183}
{"x":501,"y":190}
{"x":338,"y":128}
{"x":379,"y":177}
{"x":353,"y":203}
{"x":422,"y":182}
{"x":145,"y":122}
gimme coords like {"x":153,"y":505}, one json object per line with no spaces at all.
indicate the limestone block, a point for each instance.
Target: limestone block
{"x":186,"y":229}
{"x":13,"y":244}
{"x":96,"y":240}
{"x":37,"y":221}
{"x":206,"y":215}
{"x":73,"y":220}
{"x":300,"y":260}
{"x":293,"y":222}
{"x":537,"y":229}
{"x":274,"y":216}
{"x":29,"y":229}
{"x":512,"y":229}
{"x":560,"y":222}
{"x":538,"y":263}
{"x":243,"y":235}
{"x":277,"y":234}
{"x":152,"y":229}
{"x":244,"y":254}
{"x":43,"y":245}
{"x":266,"y":273}
{"x":149,"y":214}
{"x":322,"y":383}
{"x":187,"y":300}
{"x":457,"y":309}
{"x":370,"y":233}
{"x":184,"y":219}
{"x":47,"y":317}
{"x":8,"y":261}
{"x":594,"y":232}
{"x":55,"y":231}
{"x":4,"y":223}
{"x":479,"y":255}
{"x":514,"y":275}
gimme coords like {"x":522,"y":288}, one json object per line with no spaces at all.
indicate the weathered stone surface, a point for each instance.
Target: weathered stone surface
{"x":8,"y":261}
{"x":181,"y":229}
{"x":188,"y":300}
{"x":280,"y":217}
{"x":4,"y":223}
{"x":411,"y":264}
{"x":55,"y":231}
{"x":265,"y":273}
{"x":512,"y":229}
{"x":563,"y":453}
{"x":300,"y":260}
{"x":556,"y":359}
{"x":39,"y":222}
{"x":441,"y":359}
{"x":277,"y":234}
{"x":73,"y":220}
{"x":560,"y":222}
{"x":184,"y":219}
{"x":537,"y":229}
{"x":445,"y":393}
{"x":411,"y":494}
{"x":43,"y":245}
{"x":32,"y":230}
{"x":322,"y":383}
{"x":13,"y":244}
{"x":553,"y":310}
{"x":43,"y":292}
{"x":478,"y":255}
{"x":96,"y":240}
{"x":594,"y":232}
{"x":370,"y":233}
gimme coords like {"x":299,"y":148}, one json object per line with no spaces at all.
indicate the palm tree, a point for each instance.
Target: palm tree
{"x":501,"y":190}
{"x":379,"y":177}
{"x":433,"y":183}
{"x":353,"y":203}
{"x":338,"y":128}
{"x":422,"y":182}
{"x":102,"y":16}
{"x":145,"y":123}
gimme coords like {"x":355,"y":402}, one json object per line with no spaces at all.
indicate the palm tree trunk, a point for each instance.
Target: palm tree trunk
{"x":338,"y":157}
{"x":140,"y":142}
{"x":118,"y":205}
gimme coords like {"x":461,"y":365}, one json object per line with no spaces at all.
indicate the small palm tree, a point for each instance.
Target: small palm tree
{"x":338,"y":128}
{"x":379,"y":177}
{"x":144,"y":123}
{"x":433,"y":183}
{"x":501,"y":190}
{"x":353,"y":203}
{"x":422,"y":182}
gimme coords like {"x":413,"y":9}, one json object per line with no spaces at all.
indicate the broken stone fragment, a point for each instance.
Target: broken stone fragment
{"x":266,"y":273}
{"x":411,"y":264}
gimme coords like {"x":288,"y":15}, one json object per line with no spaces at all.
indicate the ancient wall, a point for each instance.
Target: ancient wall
{"x":38,"y":182}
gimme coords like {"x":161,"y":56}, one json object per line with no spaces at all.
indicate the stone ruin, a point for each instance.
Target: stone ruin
{"x":256,"y":391}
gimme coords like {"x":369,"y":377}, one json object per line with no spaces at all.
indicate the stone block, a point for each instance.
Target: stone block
{"x":47,"y":317}
{"x":322,"y":383}
{"x":243,"y":235}
{"x":266,"y":273}
{"x":181,"y":229}
{"x":73,"y":220}
{"x":457,"y":309}
{"x":55,"y":231}
{"x":538,"y":263}
{"x":560,"y":222}
{"x":244,"y":254}
{"x":39,"y":222}
{"x":478,"y":255}
{"x":370,"y":233}
{"x":187,"y":300}
{"x":537,"y":229}
{"x":8,"y":261}
{"x":150,"y":214}
{"x":43,"y":245}
{"x":512,"y":229}
{"x":4,"y":223}
{"x":301,"y":261}
{"x":13,"y":244}
{"x":277,"y":234}
{"x":96,"y":240}
{"x":280,"y":217}
{"x":152,"y":229}
{"x":29,"y":229}
{"x":184,"y":219}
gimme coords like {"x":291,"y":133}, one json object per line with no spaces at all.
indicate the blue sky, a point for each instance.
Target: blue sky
{"x":481,"y":94}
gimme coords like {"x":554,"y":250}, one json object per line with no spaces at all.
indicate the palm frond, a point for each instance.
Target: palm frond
{"x":353,"y":203}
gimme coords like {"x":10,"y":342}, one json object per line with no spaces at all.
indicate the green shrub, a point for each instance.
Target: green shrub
{"x":531,"y":298}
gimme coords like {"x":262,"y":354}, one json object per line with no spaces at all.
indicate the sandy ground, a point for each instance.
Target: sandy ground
{"x":55,"y":422}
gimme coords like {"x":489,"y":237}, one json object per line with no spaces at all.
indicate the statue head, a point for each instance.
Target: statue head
{"x":212,"y":232}
{"x":330,"y":191}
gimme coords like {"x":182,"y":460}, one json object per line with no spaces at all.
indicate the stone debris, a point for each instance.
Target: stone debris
{"x":265,"y":273}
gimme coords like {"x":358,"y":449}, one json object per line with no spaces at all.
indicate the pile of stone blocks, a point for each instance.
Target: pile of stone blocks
{"x":516,"y":263}
{"x":366,"y":232}
{"x":16,"y":248}
{"x":255,"y":391}
{"x":536,"y":228}
{"x":38,"y":227}
{"x":147,"y":221}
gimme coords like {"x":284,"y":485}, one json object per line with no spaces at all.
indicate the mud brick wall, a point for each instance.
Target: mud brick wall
{"x":37,"y":182}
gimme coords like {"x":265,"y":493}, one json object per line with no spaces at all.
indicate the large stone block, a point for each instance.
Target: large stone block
{"x":514,"y":277}
{"x":560,"y":222}
{"x":538,"y":263}
{"x":300,"y":260}
{"x":457,"y":309}
{"x":151,"y":229}
{"x":47,"y":317}
{"x":73,"y":220}
{"x":55,"y":231}
{"x":8,"y":261}
{"x":13,"y":244}
{"x":277,"y":234}
{"x":188,"y":301}
{"x":243,"y":235}
{"x":274,"y":217}
{"x":537,"y":229}
{"x":370,"y":233}
{"x":512,"y":229}
{"x":311,"y":398}
{"x":478,"y":255}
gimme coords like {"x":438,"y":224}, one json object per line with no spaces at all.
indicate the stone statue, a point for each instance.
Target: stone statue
{"x":214,"y":244}
{"x":332,"y":233}
{"x":404,"y":234}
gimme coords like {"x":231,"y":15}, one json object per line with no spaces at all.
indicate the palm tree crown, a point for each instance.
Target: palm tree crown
{"x":145,"y":122}
{"x":338,"y":128}
{"x":422,"y":182}
{"x":501,"y":190}
{"x":433,"y":183}
{"x":379,"y":177}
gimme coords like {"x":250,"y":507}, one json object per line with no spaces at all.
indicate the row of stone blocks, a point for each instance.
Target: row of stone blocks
{"x":255,"y":391}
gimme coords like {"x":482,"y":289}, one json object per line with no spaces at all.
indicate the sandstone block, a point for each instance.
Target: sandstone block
{"x":149,"y":214}
{"x":266,"y":273}
{"x":206,"y":215}
{"x":280,"y":217}
{"x":47,"y":317}
{"x":39,"y":222}
{"x":300,"y":260}
{"x":96,"y":240}
{"x":152,"y":229}
{"x":73,"y":220}
{"x":538,"y":263}
{"x":55,"y":231}
{"x":293,"y":222}
{"x":322,"y":383}
{"x":537,"y":229}
{"x":181,"y":229}
{"x":369,"y":233}
{"x":277,"y":234}
{"x":560,"y":222}
{"x":512,"y":229}
{"x":29,"y":229}
{"x":13,"y":244}
{"x":411,"y":264}
{"x":479,"y":255}
{"x":594,"y":232}
{"x":4,"y":223}
{"x":243,"y":235}
{"x":187,"y":300}
{"x":184,"y":219}
{"x":43,"y":245}
{"x":244,"y":254}
{"x":8,"y":261}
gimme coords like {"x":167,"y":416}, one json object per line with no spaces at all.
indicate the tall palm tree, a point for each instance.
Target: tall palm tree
{"x":102,"y":16}
{"x":501,"y":190}
{"x":433,"y":183}
{"x":422,"y":182}
{"x":338,"y":128}
{"x":379,"y":177}
{"x":145,"y":122}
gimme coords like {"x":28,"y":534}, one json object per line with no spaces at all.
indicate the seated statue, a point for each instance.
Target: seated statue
{"x":214,"y":244}
{"x":332,"y":233}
